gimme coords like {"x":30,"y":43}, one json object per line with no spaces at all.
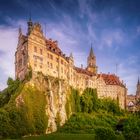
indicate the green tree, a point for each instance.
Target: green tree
{"x":89,"y":100}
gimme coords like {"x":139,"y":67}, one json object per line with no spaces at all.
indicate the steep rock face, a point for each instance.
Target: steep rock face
{"x":57,"y":93}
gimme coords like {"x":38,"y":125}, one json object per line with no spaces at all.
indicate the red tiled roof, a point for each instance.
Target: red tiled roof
{"x":111,"y":79}
{"x":83,"y":71}
{"x":53,"y":47}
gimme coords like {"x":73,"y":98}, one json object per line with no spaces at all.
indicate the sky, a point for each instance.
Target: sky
{"x":111,"y":26}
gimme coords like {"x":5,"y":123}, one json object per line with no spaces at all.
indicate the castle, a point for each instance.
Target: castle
{"x":43,"y":55}
{"x":132,"y":101}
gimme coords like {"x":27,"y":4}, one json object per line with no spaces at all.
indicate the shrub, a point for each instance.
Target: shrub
{"x":109,"y":105}
{"x":104,"y":133}
{"x":89,"y":100}
{"x":131,"y":128}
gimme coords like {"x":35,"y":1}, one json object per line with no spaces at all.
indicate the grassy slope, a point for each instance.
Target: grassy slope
{"x":62,"y":136}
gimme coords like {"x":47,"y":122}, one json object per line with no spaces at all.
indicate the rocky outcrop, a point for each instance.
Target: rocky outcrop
{"x":56,"y":92}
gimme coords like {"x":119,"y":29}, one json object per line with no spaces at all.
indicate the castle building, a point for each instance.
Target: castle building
{"x":132,"y":102}
{"x":43,"y":55}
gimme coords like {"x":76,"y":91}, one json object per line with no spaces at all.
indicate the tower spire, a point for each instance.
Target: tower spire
{"x":138,"y":81}
{"x":91,"y":51}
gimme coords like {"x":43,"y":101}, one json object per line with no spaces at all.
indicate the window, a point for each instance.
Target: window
{"x":48,"y":64}
{"x":40,"y":66}
{"x":51,"y":57}
{"x":48,"y":55}
{"x":51,"y":65}
{"x":62,"y":62}
{"x":38,"y":58}
{"x":35,"y":49}
{"x":57,"y":59}
{"x":41,"y":51}
{"x":62,"y":70}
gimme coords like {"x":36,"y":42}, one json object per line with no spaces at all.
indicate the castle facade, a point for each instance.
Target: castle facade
{"x":43,"y":55}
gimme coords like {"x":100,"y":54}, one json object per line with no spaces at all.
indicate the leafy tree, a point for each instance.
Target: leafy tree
{"x":109,"y":105}
{"x":12,"y":86}
{"x":89,"y":100}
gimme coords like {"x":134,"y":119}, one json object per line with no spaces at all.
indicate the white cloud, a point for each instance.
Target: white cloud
{"x":72,"y":38}
{"x":8,"y":42}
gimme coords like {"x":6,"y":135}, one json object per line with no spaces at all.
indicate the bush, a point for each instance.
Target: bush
{"x":86,"y":123}
{"x":104,"y":133}
{"x":4,"y":123}
{"x":109,"y":105}
{"x":89,"y":100}
{"x":131,"y":128}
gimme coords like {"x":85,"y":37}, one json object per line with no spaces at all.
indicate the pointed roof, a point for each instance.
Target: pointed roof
{"x":91,"y":54}
{"x":138,"y":81}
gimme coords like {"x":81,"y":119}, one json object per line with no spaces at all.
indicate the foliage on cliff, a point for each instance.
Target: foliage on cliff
{"x":24,"y":112}
{"x":88,"y":102}
{"x":6,"y":94}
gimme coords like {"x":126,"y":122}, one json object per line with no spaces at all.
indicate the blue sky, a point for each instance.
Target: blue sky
{"x":112,"y":26}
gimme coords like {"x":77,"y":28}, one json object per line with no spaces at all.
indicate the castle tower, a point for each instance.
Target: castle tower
{"x":138,"y":89}
{"x":91,"y":62}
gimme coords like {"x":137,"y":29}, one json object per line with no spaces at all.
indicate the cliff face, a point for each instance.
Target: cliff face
{"x":56,"y":93}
